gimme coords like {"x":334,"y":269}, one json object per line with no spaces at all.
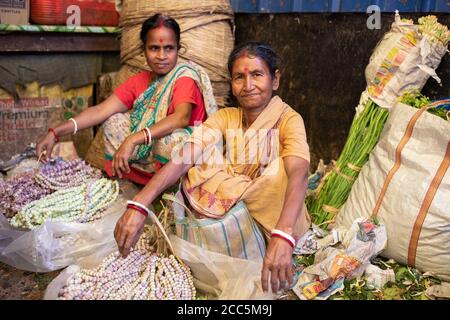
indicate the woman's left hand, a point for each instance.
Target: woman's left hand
{"x":120,"y":160}
{"x":278,"y":264}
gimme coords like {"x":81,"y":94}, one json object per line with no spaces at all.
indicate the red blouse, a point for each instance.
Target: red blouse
{"x":185,"y":91}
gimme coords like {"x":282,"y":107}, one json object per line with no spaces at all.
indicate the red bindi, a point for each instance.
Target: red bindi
{"x":246,"y":70}
{"x":160,"y":40}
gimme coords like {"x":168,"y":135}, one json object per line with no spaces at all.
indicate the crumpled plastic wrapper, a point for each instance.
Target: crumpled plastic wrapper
{"x":348,"y":260}
{"x":439,"y":291}
{"x":376,"y":277}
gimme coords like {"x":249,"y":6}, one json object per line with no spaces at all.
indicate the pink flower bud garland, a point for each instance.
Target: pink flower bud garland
{"x":62,"y":174}
{"x":142,"y":275}
{"x":19,"y":191}
{"x":83,"y":204}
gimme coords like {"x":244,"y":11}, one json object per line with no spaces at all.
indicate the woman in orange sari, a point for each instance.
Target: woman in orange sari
{"x":265,"y":164}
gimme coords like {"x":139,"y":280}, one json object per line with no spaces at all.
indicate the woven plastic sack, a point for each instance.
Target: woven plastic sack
{"x":235,"y":235}
{"x":402,"y":61}
{"x":406,"y":184}
{"x":55,"y":245}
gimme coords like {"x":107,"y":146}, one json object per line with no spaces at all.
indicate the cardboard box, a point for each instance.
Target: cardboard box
{"x":15,"y":11}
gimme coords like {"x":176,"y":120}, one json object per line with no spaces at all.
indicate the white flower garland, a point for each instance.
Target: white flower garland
{"x":85,"y":203}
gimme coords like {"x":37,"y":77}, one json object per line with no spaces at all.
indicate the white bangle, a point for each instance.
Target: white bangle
{"x":140,"y":205}
{"x":149,"y":135}
{"x":285,"y":236}
{"x":75,"y":124}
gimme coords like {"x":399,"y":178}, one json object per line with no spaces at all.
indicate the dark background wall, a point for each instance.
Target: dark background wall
{"x":324,"y":57}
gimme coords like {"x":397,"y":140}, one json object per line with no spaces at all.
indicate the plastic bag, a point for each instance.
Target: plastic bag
{"x":216,"y":275}
{"x":220,"y":276}
{"x":55,"y":245}
{"x":25,"y":166}
{"x":53,"y":288}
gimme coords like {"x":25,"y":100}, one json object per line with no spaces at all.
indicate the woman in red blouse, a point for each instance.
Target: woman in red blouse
{"x":151,"y":113}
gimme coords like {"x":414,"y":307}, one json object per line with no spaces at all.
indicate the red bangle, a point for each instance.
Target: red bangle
{"x":145,"y":136}
{"x":140,"y":210}
{"x":54,"y":133}
{"x":284,"y":238}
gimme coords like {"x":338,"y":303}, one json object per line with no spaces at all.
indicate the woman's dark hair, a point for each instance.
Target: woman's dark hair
{"x":255,"y":49}
{"x":156,"y":21}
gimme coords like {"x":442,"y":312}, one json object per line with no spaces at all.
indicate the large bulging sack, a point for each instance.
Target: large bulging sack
{"x":406,"y":183}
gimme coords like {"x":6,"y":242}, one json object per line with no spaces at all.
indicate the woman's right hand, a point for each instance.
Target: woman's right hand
{"x":128,"y":230}
{"x":45,"y":145}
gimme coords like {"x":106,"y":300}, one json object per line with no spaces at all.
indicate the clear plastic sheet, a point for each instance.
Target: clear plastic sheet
{"x":56,"y":245}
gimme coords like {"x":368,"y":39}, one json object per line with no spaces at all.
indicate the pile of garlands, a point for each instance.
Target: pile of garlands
{"x":57,"y":191}
{"x":149,"y":272}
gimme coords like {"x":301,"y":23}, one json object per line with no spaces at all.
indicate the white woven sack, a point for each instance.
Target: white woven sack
{"x":410,"y":191}
{"x":402,"y":61}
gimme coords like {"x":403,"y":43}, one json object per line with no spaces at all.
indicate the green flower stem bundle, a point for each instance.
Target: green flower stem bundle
{"x":333,"y":192}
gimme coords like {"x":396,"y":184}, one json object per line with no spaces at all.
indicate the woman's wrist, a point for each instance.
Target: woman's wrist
{"x":60,"y":130}
{"x":53,"y":134}
{"x":136,"y":139}
{"x":283,"y":227}
{"x":285,"y":236}
{"x":139,"y":207}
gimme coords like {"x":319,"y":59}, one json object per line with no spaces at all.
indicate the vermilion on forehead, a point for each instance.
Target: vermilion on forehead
{"x":160,"y":24}
{"x":248,"y":68}
{"x":243,"y":54}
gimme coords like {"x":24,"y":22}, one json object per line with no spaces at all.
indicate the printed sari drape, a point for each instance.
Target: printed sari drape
{"x":251,"y":169}
{"x":149,"y":108}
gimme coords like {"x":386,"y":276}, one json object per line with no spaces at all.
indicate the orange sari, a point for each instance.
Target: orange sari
{"x":252,"y":168}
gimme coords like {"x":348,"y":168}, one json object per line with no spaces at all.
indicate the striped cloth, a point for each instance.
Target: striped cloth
{"x":236,"y":234}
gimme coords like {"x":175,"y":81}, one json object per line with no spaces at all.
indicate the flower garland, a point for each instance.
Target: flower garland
{"x":85,"y":203}
{"x":142,"y":275}
{"x":60,"y":174}
{"x":19,"y":191}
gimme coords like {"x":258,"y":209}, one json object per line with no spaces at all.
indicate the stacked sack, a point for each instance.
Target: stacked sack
{"x":403,"y":61}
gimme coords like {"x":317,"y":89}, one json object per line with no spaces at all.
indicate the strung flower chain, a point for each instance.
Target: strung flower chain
{"x":142,"y":275}
{"x":19,"y":191}
{"x":60,"y":174}
{"x":85,"y":203}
